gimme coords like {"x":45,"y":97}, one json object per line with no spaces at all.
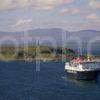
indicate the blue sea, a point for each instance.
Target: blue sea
{"x":19,"y":80}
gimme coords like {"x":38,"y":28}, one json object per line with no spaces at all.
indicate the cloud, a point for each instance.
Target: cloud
{"x":12,"y":4}
{"x":36,"y":4}
{"x":94,"y":4}
{"x":22,"y":24}
{"x":92,"y":17}
{"x":75,"y":11}
{"x":64,"y":11}
{"x":74,"y":25}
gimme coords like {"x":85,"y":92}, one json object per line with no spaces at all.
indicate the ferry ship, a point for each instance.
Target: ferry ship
{"x":82,"y":69}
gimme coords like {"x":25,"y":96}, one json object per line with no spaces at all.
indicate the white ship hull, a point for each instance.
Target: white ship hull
{"x":82,"y":70}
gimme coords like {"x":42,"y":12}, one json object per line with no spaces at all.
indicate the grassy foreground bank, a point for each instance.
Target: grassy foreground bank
{"x":44,"y":53}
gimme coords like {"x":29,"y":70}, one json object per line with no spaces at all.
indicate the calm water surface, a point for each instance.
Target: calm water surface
{"x":20,"y":81}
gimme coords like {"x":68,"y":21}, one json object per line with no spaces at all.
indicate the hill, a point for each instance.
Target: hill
{"x":55,"y":37}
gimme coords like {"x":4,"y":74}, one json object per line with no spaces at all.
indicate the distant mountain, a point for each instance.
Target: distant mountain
{"x":54,"y":36}
{"x":57,"y":33}
{"x":86,"y":35}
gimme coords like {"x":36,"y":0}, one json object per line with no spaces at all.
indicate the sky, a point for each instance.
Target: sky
{"x":72,"y":15}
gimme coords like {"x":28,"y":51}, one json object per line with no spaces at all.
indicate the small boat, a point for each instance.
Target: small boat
{"x":82,"y":69}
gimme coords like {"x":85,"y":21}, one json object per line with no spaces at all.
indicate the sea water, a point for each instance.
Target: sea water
{"x":19,"y":80}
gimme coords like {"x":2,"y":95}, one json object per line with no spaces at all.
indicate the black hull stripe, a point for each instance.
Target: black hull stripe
{"x":86,"y":75}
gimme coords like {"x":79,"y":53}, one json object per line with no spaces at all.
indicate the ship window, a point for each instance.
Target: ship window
{"x":87,"y":65}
